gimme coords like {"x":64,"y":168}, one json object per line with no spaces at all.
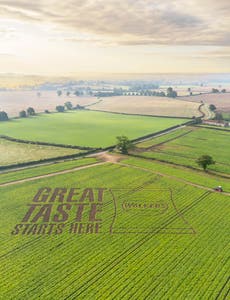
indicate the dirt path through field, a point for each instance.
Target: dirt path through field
{"x":172,"y":177}
{"x":52,"y":174}
{"x":115,"y":159}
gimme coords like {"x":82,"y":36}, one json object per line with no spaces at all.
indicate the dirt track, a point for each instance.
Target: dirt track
{"x":172,"y":177}
{"x":51,"y":174}
{"x":108,"y":158}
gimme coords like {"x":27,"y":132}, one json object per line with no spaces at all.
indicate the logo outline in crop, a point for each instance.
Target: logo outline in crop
{"x":82,"y":210}
{"x":149,"y":208}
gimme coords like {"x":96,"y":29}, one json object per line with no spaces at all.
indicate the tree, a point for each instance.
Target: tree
{"x":212,"y":107}
{"x":68,"y":105}
{"x":3,"y":116}
{"x":30,"y":111}
{"x":78,"y":106}
{"x":60,"y":108}
{"x":215,"y":91}
{"x":22,"y":114}
{"x":59,"y":92}
{"x":219,"y":117}
{"x":204,"y":161}
{"x":171,"y":93}
{"x":223,"y":91}
{"x":197,"y":120}
{"x":124,"y":144}
{"x":67,"y":94}
{"x":46,"y":111}
{"x":77,"y":93}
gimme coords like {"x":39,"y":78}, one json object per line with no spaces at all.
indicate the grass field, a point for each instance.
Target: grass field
{"x":117,"y":266}
{"x":185,"y":149}
{"x":159,"y":106}
{"x":84,"y":128}
{"x":14,"y":153}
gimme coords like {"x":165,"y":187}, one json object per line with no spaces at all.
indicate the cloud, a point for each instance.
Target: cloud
{"x":129,"y":22}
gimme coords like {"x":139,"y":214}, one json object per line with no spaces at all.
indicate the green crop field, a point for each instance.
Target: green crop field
{"x":8,"y":176}
{"x":182,"y":258}
{"x":15,"y":153}
{"x":180,"y":173}
{"x":164,"y":137}
{"x":84,"y":128}
{"x":185,"y":149}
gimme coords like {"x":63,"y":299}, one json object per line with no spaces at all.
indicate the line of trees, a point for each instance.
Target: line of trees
{"x":215,"y":91}
{"x":68,"y":106}
{"x":29,"y":112}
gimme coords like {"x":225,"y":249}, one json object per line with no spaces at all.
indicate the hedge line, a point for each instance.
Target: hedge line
{"x":91,"y":150}
{"x":213,"y":128}
{"x":52,"y":159}
{"x":141,"y":115}
{"x":153,"y":134}
{"x":176,"y":164}
{"x":45,"y":144}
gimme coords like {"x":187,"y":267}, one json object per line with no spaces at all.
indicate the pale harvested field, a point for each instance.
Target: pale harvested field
{"x":14,"y":153}
{"x":221,"y":101}
{"x":14,"y":101}
{"x":159,"y":106}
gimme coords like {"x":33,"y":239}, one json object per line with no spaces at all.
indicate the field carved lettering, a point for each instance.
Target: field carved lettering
{"x":95,"y":208}
{"x":44,"y":213}
{"x":58,"y":193}
{"x":73,"y":192}
{"x":87,"y":195}
{"x":63,"y":215}
{"x":42,"y":195}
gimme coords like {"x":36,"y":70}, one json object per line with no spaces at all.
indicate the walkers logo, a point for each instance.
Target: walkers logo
{"x":102,"y":210}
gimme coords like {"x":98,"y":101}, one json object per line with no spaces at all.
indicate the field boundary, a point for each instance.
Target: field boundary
{"x":46,"y":160}
{"x":141,"y":115}
{"x":52,"y":174}
{"x":171,"y":176}
{"x":212,"y":128}
{"x":81,"y":154}
{"x":142,"y":138}
{"x":11,"y":139}
{"x":178,"y":165}
{"x":166,"y":141}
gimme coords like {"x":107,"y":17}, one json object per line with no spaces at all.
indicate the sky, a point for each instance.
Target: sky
{"x":63,"y":38}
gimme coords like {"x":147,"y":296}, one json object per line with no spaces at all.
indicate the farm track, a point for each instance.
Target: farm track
{"x":108,"y":159}
{"x":169,"y":140}
{"x":172,"y":177}
{"x":51,"y":174}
